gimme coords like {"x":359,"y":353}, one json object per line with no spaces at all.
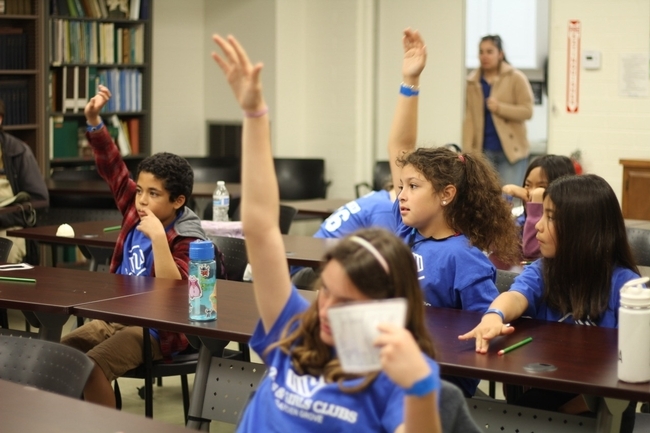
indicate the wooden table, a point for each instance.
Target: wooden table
{"x":321,"y":208}
{"x":100,"y":187}
{"x":301,"y":250}
{"x":585,"y":357}
{"x":26,"y":409}
{"x":48,"y":302}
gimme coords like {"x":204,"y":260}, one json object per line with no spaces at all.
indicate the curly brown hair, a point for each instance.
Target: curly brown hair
{"x":478,"y":209}
{"x":300,"y":338}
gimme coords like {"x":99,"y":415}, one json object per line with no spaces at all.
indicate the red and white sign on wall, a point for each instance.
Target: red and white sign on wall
{"x":573,"y":67}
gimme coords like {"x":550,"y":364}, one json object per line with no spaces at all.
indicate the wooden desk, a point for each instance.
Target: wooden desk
{"x":49,"y":301}
{"x":37,"y":204}
{"x":26,"y":409}
{"x":301,"y":250}
{"x":99,"y":187}
{"x":321,"y":208}
{"x":636,"y":184}
{"x":585,"y":357}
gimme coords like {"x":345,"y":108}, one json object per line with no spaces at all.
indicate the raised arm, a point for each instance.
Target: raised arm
{"x":260,"y":202}
{"x":403,"y":131}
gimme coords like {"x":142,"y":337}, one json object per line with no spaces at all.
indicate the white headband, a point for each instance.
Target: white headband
{"x":372,"y":250}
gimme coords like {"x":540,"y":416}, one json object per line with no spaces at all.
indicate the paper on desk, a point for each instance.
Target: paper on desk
{"x":354,"y":328}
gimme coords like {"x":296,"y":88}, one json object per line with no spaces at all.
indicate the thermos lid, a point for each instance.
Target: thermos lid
{"x":634,"y":295}
{"x":201,"y":250}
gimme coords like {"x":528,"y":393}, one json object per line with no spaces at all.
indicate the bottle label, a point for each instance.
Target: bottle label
{"x":202,"y":291}
{"x":221,"y":201}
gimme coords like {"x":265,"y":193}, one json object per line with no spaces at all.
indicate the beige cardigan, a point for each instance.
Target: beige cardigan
{"x":512,"y":89}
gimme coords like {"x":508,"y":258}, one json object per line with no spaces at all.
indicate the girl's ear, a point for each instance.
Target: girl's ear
{"x":448,"y":194}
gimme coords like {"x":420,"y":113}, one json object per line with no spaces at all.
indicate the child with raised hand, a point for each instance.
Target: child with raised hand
{"x":157,"y":229}
{"x":586,"y":260}
{"x":295,"y":338}
{"x":539,"y":175}
{"x":449,"y":207}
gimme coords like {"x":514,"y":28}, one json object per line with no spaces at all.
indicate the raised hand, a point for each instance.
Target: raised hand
{"x":415,"y":53}
{"x":243,"y":77}
{"x":96,"y":103}
{"x":491,"y":326}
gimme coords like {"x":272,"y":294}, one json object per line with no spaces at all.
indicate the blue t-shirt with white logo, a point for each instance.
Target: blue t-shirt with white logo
{"x":137,"y":258}
{"x":288,"y":402}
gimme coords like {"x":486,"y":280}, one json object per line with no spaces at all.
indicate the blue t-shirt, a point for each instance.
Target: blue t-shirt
{"x":530,"y":283}
{"x":287,"y":402}
{"x":452,"y":273}
{"x":372,"y":210}
{"x":137,"y":258}
{"x":491,"y":139}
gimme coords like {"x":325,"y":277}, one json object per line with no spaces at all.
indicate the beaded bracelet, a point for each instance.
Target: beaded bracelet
{"x":496,"y":311}
{"x":409,"y":90}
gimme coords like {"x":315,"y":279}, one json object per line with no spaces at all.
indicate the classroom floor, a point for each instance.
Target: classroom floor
{"x":168,"y":400}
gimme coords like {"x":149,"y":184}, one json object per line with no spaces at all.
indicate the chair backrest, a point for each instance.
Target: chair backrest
{"x":286,"y":218}
{"x":380,"y":175}
{"x":301,"y":179}
{"x":454,"y":413}
{"x":5,"y":248}
{"x":504,"y":280}
{"x":44,"y":365}
{"x":234,"y":253}
{"x":639,"y":240}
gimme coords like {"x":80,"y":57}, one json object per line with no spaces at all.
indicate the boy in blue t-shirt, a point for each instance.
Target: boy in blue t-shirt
{"x":157,"y":229}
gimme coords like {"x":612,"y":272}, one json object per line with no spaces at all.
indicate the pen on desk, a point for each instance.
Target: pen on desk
{"x":112,"y":229}
{"x":514,"y":346}
{"x":22,"y":280}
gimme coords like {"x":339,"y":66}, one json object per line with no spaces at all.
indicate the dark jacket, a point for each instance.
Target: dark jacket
{"x":23,"y":174}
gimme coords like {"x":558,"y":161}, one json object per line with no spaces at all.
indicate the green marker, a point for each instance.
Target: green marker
{"x":112,"y":229}
{"x":21,"y":280}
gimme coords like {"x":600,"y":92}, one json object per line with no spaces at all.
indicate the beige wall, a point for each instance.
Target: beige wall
{"x":332,"y":71}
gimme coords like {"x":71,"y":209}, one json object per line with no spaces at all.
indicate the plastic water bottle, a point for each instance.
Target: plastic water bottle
{"x":634,"y":332}
{"x":220,"y":202}
{"x":202,"y":281}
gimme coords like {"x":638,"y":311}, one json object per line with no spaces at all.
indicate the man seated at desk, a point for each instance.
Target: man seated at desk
{"x":19,"y":172}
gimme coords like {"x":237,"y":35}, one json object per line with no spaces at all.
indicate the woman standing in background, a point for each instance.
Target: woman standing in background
{"x":499,"y":100}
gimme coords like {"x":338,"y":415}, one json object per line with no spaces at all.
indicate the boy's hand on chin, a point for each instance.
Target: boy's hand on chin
{"x":150,"y":225}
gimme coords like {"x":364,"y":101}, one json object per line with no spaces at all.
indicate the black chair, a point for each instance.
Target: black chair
{"x":44,"y":365}
{"x":639,"y":240}
{"x":5,"y":248}
{"x":380,"y":177}
{"x":287,"y":214}
{"x":234,"y":253}
{"x":301,"y":179}
{"x":505,"y":279}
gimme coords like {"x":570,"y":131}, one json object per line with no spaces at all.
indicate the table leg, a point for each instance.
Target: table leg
{"x":50,"y":325}
{"x":194,"y":419}
{"x":609,"y":415}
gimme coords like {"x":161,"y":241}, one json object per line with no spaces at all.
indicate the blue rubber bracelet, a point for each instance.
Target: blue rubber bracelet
{"x":91,"y":128}
{"x":424,"y":386}
{"x":406,"y":90}
{"x":496,"y":311}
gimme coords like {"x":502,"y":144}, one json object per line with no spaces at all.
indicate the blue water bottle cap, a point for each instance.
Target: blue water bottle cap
{"x":201,"y":250}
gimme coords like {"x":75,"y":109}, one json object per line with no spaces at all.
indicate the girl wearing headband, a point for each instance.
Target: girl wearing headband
{"x":305,"y":388}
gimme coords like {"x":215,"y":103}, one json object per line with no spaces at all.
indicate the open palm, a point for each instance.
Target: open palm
{"x":415,"y":53}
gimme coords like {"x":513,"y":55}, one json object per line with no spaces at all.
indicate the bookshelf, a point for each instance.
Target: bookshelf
{"x":87,"y":43}
{"x":22,"y":72}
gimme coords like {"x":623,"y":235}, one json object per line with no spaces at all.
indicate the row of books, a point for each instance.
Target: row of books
{"x":70,"y":88}
{"x":95,"y":43}
{"x":68,"y":136}
{"x":101,"y":9}
{"x":16,"y":7}
{"x":14,"y":93}
{"x":13,"y":48}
